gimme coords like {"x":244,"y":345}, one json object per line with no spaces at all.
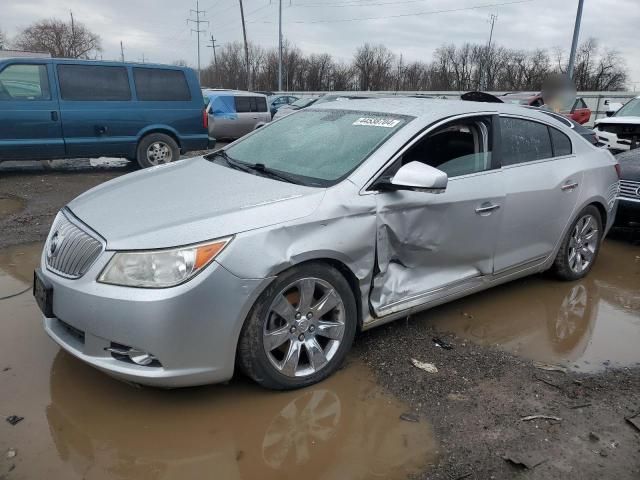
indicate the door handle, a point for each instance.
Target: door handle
{"x":101,"y":129}
{"x":54,"y":116}
{"x":487,"y":208}
{"x":568,"y":186}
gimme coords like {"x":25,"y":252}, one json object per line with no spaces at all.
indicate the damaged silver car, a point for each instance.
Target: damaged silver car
{"x":272,"y":253}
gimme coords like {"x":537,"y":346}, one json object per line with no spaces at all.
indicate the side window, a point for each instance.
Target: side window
{"x":24,"y":82}
{"x":561,"y":143}
{"x":259,"y":104}
{"x":160,"y":84}
{"x":93,"y":83}
{"x":523,"y":141}
{"x":458,"y":148}
{"x":243,"y":104}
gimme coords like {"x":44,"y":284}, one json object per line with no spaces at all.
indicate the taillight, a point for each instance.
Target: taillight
{"x":618,"y":171}
{"x":205,"y":119}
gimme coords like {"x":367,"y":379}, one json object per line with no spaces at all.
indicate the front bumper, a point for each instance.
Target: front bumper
{"x":191,"y":329}
{"x":628,"y":214}
{"x":611,"y":141}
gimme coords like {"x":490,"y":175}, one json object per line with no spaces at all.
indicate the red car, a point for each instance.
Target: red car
{"x":578,"y":112}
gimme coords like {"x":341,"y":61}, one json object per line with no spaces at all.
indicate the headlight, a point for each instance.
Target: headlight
{"x":160,"y":268}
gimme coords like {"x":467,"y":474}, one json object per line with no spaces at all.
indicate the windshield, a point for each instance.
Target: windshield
{"x":318,"y":147}
{"x":630,"y":109}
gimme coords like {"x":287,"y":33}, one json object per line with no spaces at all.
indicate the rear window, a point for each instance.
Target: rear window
{"x":524,"y":141}
{"x":93,"y":82}
{"x":561,"y":143}
{"x":156,"y":84}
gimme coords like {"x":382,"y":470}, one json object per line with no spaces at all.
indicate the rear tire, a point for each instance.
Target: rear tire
{"x":157,"y":149}
{"x":580,"y":246}
{"x":300,"y":329}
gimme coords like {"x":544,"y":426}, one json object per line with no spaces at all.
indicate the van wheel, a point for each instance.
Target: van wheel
{"x":156,"y":149}
{"x":300,"y":329}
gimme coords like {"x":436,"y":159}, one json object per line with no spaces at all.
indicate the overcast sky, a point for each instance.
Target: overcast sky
{"x":158,"y":28}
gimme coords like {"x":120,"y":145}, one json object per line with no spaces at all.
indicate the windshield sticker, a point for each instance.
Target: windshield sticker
{"x":376,"y":122}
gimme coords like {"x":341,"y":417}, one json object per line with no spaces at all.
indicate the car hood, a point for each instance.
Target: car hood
{"x":618,"y":121}
{"x":188,"y":202}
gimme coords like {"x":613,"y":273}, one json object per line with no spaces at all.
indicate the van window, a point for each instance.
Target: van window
{"x":524,"y":141}
{"x":24,"y":82}
{"x":93,"y":82}
{"x":251,"y":104}
{"x":243,"y":104}
{"x":161,"y":84}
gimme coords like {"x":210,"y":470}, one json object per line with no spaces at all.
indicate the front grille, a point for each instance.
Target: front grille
{"x":630,"y":189}
{"x":70,"y":250}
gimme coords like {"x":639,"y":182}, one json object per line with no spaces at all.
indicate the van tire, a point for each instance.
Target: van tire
{"x":157,"y":149}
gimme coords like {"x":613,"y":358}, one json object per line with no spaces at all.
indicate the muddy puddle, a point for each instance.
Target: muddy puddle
{"x":79,"y":423}
{"x":10,"y":204}
{"x":587,"y":325}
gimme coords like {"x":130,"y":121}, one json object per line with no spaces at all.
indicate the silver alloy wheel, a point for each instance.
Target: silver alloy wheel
{"x":158,"y":153}
{"x":304,"y":327}
{"x":583,"y":243}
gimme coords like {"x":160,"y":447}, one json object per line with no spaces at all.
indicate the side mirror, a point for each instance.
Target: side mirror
{"x":419,"y":177}
{"x":610,"y":113}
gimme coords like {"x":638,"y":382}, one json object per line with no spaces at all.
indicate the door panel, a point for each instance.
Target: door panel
{"x":537,"y":209}
{"x":429,"y":241}
{"x":30,"y":126}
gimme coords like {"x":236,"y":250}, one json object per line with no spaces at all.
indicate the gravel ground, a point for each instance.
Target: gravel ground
{"x":476,"y":401}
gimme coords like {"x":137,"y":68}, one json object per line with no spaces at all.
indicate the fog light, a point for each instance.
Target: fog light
{"x":124,"y":353}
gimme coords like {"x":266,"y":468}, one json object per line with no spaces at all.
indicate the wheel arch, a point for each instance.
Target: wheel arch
{"x":166,"y":130}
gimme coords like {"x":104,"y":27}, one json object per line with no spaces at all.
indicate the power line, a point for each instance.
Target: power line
{"x":344,"y":5}
{"x":197,"y":30}
{"x":430,"y":12}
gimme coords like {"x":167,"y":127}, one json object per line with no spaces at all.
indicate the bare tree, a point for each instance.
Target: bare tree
{"x":60,"y":39}
{"x":3,"y":40}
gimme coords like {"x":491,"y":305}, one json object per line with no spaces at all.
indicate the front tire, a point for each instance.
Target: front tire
{"x":300,"y":329}
{"x":580,"y":246}
{"x":157,"y":149}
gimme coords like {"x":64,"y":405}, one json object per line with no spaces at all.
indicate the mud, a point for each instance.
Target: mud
{"x":80,"y":423}
{"x":10,"y":204}
{"x":586,"y":326}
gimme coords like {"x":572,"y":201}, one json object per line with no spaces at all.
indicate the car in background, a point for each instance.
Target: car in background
{"x":299,"y":104}
{"x":621,"y":130}
{"x":629,"y":194}
{"x":577,"y":111}
{"x":234,"y":113}
{"x":277,"y":101}
{"x":308,"y":101}
{"x":271,"y":253}
{"x":56,"y":108}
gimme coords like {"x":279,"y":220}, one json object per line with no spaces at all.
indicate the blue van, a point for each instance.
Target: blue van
{"x":55,"y":108}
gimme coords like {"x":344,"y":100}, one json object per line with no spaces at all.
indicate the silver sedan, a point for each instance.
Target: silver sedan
{"x":272,"y":253}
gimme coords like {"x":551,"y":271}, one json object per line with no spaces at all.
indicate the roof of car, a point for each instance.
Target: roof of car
{"x":432,"y":109}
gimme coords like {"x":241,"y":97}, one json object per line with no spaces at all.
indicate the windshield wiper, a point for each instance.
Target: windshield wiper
{"x":232,"y":162}
{"x":262,"y":168}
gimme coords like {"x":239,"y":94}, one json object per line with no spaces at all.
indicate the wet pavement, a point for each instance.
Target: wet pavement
{"x":80,"y":423}
{"x":587,"y":325}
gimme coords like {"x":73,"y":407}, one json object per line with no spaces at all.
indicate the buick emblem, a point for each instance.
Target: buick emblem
{"x":54,"y":243}
{"x":638,"y":192}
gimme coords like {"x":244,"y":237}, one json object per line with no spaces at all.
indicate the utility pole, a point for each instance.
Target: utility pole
{"x":73,"y":36}
{"x":213,"y":45}
{"x":485,"y":63}
{"x":246,"y":47}
{"x":143,"y":57}
{"x":121,"y":52}
{"x":197,"y":12}
{"x":280,"y":47}
{"x":576,"y":35}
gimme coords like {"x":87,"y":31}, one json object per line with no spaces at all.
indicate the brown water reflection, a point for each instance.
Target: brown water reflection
{"x":79,"y":423}
{"x":587,"y":325}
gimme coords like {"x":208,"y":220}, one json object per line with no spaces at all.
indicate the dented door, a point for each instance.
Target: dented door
{"x":428,"y":244}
